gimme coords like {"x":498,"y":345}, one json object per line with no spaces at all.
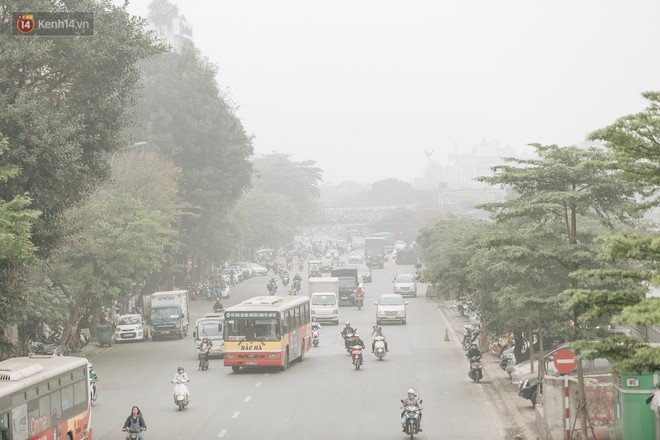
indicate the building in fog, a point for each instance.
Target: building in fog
{"x":175,"y":33}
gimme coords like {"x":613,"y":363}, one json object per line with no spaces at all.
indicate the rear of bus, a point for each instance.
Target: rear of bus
{"x":267,"y":331}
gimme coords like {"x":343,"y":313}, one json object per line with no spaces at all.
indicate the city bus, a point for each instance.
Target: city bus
{"x":45,"y":397}
{"x":267,"y":331}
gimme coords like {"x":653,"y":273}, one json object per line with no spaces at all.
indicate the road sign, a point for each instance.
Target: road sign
{"x":565,"y":361}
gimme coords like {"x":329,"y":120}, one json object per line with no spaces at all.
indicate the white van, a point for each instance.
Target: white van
{"x":211,"y":325}
{"x":324,"y":307}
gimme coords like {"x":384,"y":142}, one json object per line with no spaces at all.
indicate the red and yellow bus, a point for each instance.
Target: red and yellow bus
{"x":267,"y":331}
{"x":45,"y":398}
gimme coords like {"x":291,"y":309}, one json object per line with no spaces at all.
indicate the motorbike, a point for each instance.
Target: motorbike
{"x":379,"y":347}
{"x":134,"y":431}
{"x":475,"y":372}
{"x":356,"y":351}
{"x":469,"y":336}
{"x":359,"y":301}
{"x":181,"y":395}
{"x":203,"y":359}
{"x":410,"y":419}
{"x":315,"y":336}
{"x":289,"y":265}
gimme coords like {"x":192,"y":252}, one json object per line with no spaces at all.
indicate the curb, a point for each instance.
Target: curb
{"x":510,"y":412}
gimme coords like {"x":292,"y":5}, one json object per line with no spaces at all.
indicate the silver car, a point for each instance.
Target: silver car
{"x":405,"y":284}
{"x":391,"y":308}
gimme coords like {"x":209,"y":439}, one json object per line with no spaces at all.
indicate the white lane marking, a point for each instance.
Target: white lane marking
{"x":257,"y":385}
{"x":248,"y":398}
{"x":222,"y":433}
{"x":235,"y":416}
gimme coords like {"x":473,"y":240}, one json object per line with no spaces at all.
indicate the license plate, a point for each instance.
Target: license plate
{"x":129,"y":335}
{"x":250,"y":363}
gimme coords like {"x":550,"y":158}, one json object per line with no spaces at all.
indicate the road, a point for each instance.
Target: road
{"x":321,"y":398}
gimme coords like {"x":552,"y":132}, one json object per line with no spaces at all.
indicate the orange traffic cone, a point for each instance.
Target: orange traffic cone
{"x":446,"y":335}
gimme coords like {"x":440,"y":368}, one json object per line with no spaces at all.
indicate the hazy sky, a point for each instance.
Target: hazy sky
{"x":365,"y":87}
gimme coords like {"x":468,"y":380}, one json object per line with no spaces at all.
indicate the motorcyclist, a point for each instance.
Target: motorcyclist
{"x":473,"y":351}
{"x":358,"y":341}
{"x":359,"y":292}
{"x":205,"y":349}
{"x":411,"y":399}
{"x":217,"y":306}
{"x":180,"y":376}
{"x":135,"y":418}
{"x":284,"y":274}
{"x":93,"y":378}
{"x":272,"y":285}
{"x":347,"y":330}
{"x":377,"y":331}
{"x":297,"y":278}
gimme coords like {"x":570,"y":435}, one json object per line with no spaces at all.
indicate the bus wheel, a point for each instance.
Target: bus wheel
{"x":235,"y":368}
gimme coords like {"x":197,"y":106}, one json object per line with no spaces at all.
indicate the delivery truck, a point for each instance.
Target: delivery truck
{"x":169,"y":314}
{"x":324,"y":299}
{"x":374,"y":252}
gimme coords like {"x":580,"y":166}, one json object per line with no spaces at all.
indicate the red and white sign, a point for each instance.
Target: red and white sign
{"x":565,"y":360}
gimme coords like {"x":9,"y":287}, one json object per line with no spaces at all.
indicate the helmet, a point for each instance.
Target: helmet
{"x":89,"y":365}
{"x":179,"y":369}
{"x":348,"y":323}
{"x":360,"y":285}
{"x":355,"y":336}
{"x":411,"y":392}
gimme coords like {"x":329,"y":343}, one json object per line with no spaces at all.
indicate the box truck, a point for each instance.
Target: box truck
{"x":324,"y":299}
{"x":169,"y":314}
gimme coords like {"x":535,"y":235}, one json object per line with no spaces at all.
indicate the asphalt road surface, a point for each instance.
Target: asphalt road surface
{"x":323,"y":397}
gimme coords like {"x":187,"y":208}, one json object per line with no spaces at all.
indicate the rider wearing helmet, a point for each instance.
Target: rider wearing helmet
{"x":411,"y":400}
{"x":377,"y":331}
{"x":181,"y":375}
{"x":473,"y":351}
{"x":204,"y":349}
{"x":347,"y":330}
{"x":358,"y":341}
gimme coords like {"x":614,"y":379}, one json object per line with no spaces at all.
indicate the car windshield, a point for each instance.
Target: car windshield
{"x":390,"y":300}
{"x":129,"y":320}
{"x":405,"y":279}
{"x":212,"y":329}
{"x":323,"y":300}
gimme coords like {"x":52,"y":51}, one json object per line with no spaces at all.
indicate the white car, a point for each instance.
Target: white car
{"x":405,"y":284}
{"x":391,"y":308}
{"x":131,"y":328}
{"x":356,"y":257}
{"x":258,"y":269}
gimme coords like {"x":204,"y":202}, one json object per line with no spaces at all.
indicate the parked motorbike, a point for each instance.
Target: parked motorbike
{"x":379,"y":347}
{"x":203,"y":359}
{"x":475,"y":372}
{"x":134,"y":431}
{"x":410,"y":419}
{"x":356,"y":352}
{"x":40,"y":348}
{"x":315,"y":336}
{"x":181,"y":394}
{"x":470,"y":335}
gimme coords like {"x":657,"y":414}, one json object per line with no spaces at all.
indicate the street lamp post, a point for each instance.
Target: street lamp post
{"x":135,"y":145}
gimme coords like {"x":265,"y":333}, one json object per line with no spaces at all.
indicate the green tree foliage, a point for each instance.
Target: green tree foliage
{"x":63,"y":106}
{"x":162,"y":12}
{"x":630,"y":258}
{"x":183,"y":115}
{"x":16,"y":247}
{"x":276,"y":173}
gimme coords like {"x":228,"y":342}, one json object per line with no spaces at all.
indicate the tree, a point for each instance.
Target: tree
{"x":182,"y":114}
{"x":299,"y":181}
{"x":16,"y":247}
{"x":162,"y":12}
{"x":556,"y":190}
{"x":630,"y":258}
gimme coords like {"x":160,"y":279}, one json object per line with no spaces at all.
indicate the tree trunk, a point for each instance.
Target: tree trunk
{"x":517,"y":347}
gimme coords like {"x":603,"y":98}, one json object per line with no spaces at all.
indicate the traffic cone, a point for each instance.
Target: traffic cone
{"x":446,"y":335}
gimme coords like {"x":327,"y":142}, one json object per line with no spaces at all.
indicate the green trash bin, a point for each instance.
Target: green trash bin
{"x":633,"y":418}
{"x":104,"y":333}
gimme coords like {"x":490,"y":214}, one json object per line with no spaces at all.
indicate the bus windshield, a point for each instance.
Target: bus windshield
{"x":252,"y":329}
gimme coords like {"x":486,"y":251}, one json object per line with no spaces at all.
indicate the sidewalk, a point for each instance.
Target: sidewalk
{"x":517,"y":413}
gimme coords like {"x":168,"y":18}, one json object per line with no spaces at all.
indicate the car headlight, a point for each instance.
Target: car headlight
{"x":178,"y":325}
